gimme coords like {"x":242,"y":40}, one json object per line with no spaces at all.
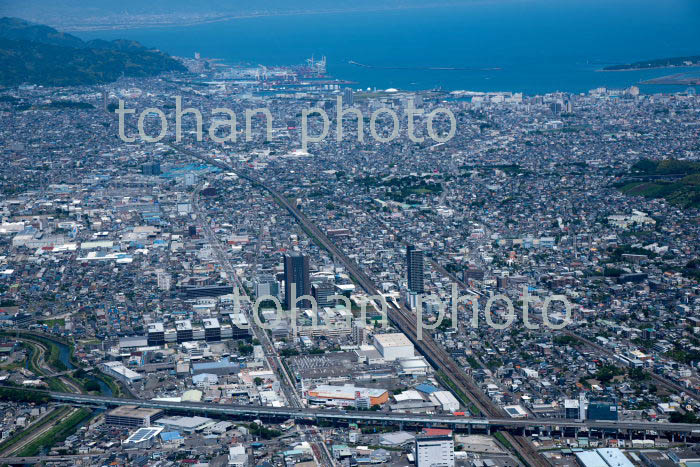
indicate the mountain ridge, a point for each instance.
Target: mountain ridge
{"x":38,"y":54}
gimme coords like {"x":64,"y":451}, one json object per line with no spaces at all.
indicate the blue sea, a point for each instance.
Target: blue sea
{"x":535,"y":46}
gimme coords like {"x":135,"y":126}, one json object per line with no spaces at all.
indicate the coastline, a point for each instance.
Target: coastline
{"x":231,"y":17}
{"x":648,"y":68}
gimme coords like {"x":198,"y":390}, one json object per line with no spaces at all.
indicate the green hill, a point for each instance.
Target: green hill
{"x":678,"y":182}
{"x":38,"y":54}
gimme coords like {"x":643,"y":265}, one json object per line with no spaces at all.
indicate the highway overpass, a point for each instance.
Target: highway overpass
{"x":371,"y":417}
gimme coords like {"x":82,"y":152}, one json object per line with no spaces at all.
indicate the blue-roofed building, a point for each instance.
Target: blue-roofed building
{"x":170,"y":436}
{"x":426,"y":388}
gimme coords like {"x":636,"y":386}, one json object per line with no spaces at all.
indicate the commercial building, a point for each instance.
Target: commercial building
{"x":589,"y":459}
{"x":132,"y":416}
{"x":296,"y":271}
{"x":347,"y":395}
{"x":348,"y":98}
{"x":393,"y":346}
{"x":435,"y":451}
{"x":614,"y":457}
{"x":473,"y":274}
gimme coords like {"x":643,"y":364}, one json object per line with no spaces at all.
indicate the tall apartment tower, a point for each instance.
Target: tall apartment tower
{"x":296,"y":271}
{"x":414,"y":268}
{"x":348,"y":98}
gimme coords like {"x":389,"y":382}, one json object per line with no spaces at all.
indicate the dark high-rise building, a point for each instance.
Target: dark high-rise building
{"x":502,"y":282}
{"x":152,"y":168}
{"x":414,"y":268}
{"x":183,"y":329}
{"x":156,"y":334}
{"x":212,"y":330}
{"x":296,"y":271}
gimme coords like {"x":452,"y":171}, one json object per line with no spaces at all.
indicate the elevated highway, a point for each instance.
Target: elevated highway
{"x":371,"y":417}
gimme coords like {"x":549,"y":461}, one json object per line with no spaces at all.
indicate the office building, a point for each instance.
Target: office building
{"x":321,"y":293}
{"x":212,"y":330}
{"x":572,"y":409}
{"x":414,"y":268}
{"x":296,"y":271}
{"x":435,"y":451}
{"x":266,"y":284}
{"x":239,"y":326}
{"x":184,"y":330}
{"x":156,"y":334}
{"x":602,"y":409}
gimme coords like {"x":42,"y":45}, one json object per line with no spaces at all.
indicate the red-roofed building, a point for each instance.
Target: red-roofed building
{"x":437,"y":432}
